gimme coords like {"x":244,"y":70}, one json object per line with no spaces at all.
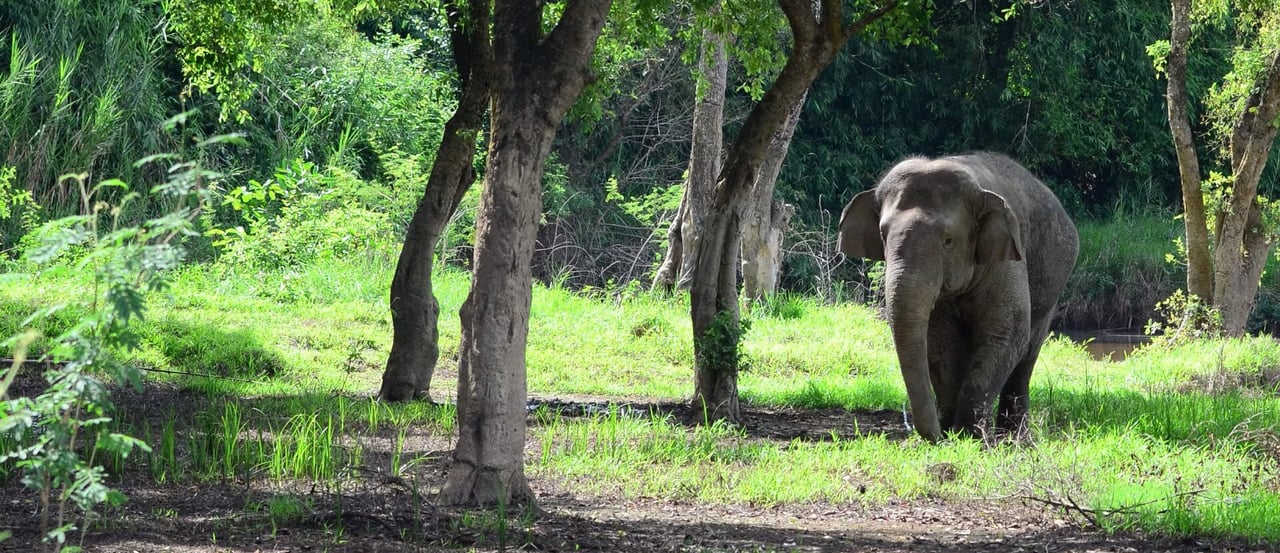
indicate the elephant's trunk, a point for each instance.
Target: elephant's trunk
{"x":910,"y":299}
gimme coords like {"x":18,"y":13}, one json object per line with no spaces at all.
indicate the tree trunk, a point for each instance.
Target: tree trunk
{"x":706,"y":147}
{"x":536,"y":78}
{"x":1244,"y":241}
{"x":1199,"y":265}
{"x":714,"y":294}
{"x":414,"y":310}
{"x":766,"y":218}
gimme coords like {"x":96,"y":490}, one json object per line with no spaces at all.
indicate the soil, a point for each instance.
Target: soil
{"x":376,"y":512}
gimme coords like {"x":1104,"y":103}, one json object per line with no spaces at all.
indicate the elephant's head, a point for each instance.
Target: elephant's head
{"x":935,"y":228}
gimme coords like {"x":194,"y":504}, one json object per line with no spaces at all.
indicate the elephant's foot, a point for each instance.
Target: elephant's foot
{"x":397,"y":390}
{"x":424,"y":395}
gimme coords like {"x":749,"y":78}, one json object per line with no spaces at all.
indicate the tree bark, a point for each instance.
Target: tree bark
{"x":1199,"y":265}
{"x":1244,"y":242}
{"x":766,"y":218}
{"x":706,"y":148}
{"x":714,"y":294}
{"x":414,"y":309}
{"x":1229,"y":279}
{"x":536,"y":78}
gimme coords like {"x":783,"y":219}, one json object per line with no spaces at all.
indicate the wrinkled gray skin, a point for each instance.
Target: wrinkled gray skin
{"x":976,"y":252}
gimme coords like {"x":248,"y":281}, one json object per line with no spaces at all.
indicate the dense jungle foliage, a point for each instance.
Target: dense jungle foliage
{"x":342,"y":109}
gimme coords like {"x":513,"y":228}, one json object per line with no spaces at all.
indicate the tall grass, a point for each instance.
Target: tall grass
{"x":84,"y":92}
{"x":1121,"y":272}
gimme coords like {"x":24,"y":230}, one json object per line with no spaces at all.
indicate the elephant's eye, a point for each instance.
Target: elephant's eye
{"x":948,"y":243}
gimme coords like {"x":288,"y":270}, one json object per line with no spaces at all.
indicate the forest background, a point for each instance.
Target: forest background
{"x":262,"y":160}
{"x":342,"y":106}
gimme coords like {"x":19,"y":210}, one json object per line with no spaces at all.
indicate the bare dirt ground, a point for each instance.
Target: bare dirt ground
{"x":372,"y":512}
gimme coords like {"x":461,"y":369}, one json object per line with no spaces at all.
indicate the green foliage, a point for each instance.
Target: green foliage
{"x":83,"y":91}
{"x":305,"y":214}
{"x":1256,"y":27}
{"x":720,"y":346}
{"x":331,"y":96}
{"x":47,"y":437}
{"x":652,"y":209}
{"x":633,"y":32}
{"x":222,"y":39}
{"x":1184,"y":318}
{"x":15,"y":202}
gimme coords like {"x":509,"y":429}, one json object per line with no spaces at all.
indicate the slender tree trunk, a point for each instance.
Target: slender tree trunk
{"x":706,"y":148}
{"x":714,"y":294}
{"x":1199,"y":265}
{"x":536,"y":78}
{"x":767,"y":218}
{"x":414,"y":310}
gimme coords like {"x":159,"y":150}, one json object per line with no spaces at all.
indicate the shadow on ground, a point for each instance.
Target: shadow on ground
{"x":771,"y":423}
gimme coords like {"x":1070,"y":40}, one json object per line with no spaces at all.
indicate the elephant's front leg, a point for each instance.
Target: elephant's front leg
{"x":948,"y":358}
{"x":996,"y":350}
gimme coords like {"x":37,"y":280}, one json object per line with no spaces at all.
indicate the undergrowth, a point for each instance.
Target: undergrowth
{"x":1162,"y":441}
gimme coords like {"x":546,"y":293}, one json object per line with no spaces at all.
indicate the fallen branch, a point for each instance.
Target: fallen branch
{"x":1094,"y":515}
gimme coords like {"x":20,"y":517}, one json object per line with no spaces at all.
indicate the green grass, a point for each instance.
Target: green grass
{"x":1142,"y":443}
{"x":1123,"y":270}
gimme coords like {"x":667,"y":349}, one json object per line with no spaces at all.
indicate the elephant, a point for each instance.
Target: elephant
{"x":976,"y":251}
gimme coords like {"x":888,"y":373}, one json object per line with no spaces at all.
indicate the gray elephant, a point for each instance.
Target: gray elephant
{"x":977,"y":251}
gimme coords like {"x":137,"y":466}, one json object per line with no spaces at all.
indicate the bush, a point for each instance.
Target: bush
{"x":329,"y":96}
{"x":303,"y":215}
{"x":53,"y":438}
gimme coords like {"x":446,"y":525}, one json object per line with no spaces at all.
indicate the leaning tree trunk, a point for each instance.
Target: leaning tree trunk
{"x":707,"y":142}
{"x":767,"y":218}
{"x":414,"y":310}
{"x":714,"y":295}
{"x":1244,"y":240}
{"x":535,"y":80}
{"x":1199,"y":264}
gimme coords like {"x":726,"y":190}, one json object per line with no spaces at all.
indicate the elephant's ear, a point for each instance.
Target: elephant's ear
{"x":999,"y":238}
{"x":860,"y":228}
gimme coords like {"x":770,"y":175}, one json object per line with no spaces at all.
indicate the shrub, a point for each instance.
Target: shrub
{"x":302,"y":215}
{"x":53,"y":439}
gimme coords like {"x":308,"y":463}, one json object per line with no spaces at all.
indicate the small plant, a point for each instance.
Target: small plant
{"x":54,"y":438}
{"x":651,"y":326}
{"x":721,"y":344}
{"x":15,"y":201}
{"x":1185,"y":318}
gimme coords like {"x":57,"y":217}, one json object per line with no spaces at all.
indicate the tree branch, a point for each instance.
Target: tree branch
{"x":574,"y":30}
{"x":856,"y":27}
{"x":800,"y":18}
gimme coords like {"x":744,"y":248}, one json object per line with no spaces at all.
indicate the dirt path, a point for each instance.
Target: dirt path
{"x":208,"y":519}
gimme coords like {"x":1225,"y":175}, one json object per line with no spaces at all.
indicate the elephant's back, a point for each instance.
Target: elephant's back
{"x":1049,"y":236}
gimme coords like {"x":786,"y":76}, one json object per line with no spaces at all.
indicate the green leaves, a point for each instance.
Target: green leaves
{"x":52,"y":438}
{"x":1159,"y":53}
{"x":220,"y":40}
